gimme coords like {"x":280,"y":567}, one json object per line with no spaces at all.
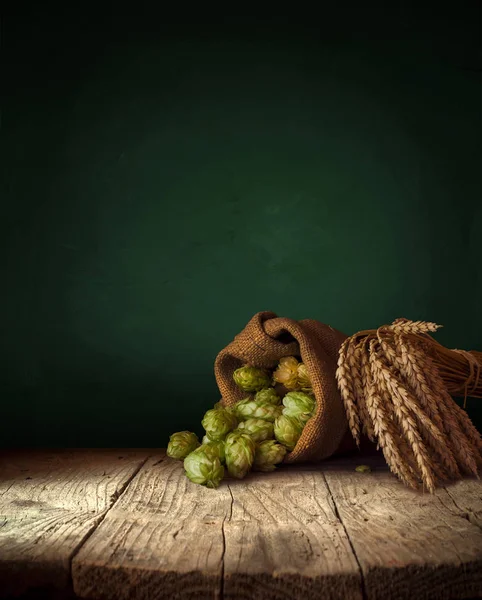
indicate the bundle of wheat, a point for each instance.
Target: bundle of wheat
{"x":397,"y":384}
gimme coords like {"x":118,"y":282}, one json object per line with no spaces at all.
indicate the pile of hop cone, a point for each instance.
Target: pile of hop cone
{"x":256,"y":433}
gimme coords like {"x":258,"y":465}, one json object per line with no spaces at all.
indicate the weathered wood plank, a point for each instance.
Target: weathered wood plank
{"x":268,"y":536}
{"x":467,"y":496}
{"x":50,"y":501}
{"x":162,"y":539}
{"x":284,"y":540}
{"x":408,"y":544}
{"x":271,"y":536}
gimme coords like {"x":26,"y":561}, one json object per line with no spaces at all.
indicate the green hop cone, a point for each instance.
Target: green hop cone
{"x":219,"y":446}
{"x":299,"y":405}
{"x":258,"y":429}
{"x":267,"y":395}
{"x":251,"y":409}
{"x":287,"y":431}
{"x":304,"y":381}
{"x":181,"y":444}
{"x":220,"y":406}
{"x":251,"y":379}
{"x":204,"y":467}
{"x":268,"y":454}
{"x":218,"y":423}
{"x":287,"y":372}
{"x":240,"y":449}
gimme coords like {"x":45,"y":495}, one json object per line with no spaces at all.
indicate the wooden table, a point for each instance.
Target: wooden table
{"x":122,"y":524}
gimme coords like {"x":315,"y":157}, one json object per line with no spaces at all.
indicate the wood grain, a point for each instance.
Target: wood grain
{"x":284,"y":540}
{"x":269,"y":536}
{"x":50,"y":502}
{"x":467,"y":496}
{"x":137,"y":528}
{"x":408,"y":544}
{"x":163,"y":539}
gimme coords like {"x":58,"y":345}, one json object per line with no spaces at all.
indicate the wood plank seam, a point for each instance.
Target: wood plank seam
{"x":114,"y":499}
{"x":411,"y":544}
{"x":338,"y":516}
{"x":51,"y":501}
{"x":223,"y":530}
{"x":279,"y":540}
{"x":295,"y":532}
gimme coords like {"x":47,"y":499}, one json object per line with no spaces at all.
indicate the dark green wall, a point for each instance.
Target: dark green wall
{"x":162,"y":181}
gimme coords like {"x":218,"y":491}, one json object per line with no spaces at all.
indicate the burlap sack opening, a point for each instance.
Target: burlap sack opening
{"x":266,"y":339}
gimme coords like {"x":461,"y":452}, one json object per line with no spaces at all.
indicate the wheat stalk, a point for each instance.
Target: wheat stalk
{"x":417,"y":327}
{"x":461,"y":446}
{"x":386,"y":432}
{"x":363,"y":371}
{"x":399,"y":397}
{"x":412,"y":362}
{"x":404,"y":390}
{"x":347,"y":389}
{"x":471,"y":432}
{"x":396,"y":383}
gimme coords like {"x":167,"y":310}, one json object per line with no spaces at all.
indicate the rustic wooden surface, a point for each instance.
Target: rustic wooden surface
{"x":91,"y":525}
{"x":163,"y":539}
{"x":409,"y":545}
{"x":283,"y":539}
{"x":50,"y":502}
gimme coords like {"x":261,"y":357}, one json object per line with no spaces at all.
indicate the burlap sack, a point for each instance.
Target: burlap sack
{"x":266,"y":339}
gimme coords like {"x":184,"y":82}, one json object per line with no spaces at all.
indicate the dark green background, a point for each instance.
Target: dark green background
{"x":163,"y":179}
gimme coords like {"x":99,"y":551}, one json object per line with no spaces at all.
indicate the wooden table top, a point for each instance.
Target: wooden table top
{"x":122,"y":524}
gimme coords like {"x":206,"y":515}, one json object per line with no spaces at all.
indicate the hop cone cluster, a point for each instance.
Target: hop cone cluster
{"x":268,"y":454}
{"x":255,"y":409}
{"x":299,"y":405}
{"x":287,"y":373}
{"x":258,"y":429}
{"x":292,"y":374}
{"x":268,"y":395}
{"x":240,"y":449}
{"x":203,"y":466}
{"x":181,"y":444}
{"x":218,"y":446}
{"x":256,"y":433}
{"x":304,"y":380}
{"x":218,"y":423}
{"x":251,"y":379}
{"x":287,"y":431}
